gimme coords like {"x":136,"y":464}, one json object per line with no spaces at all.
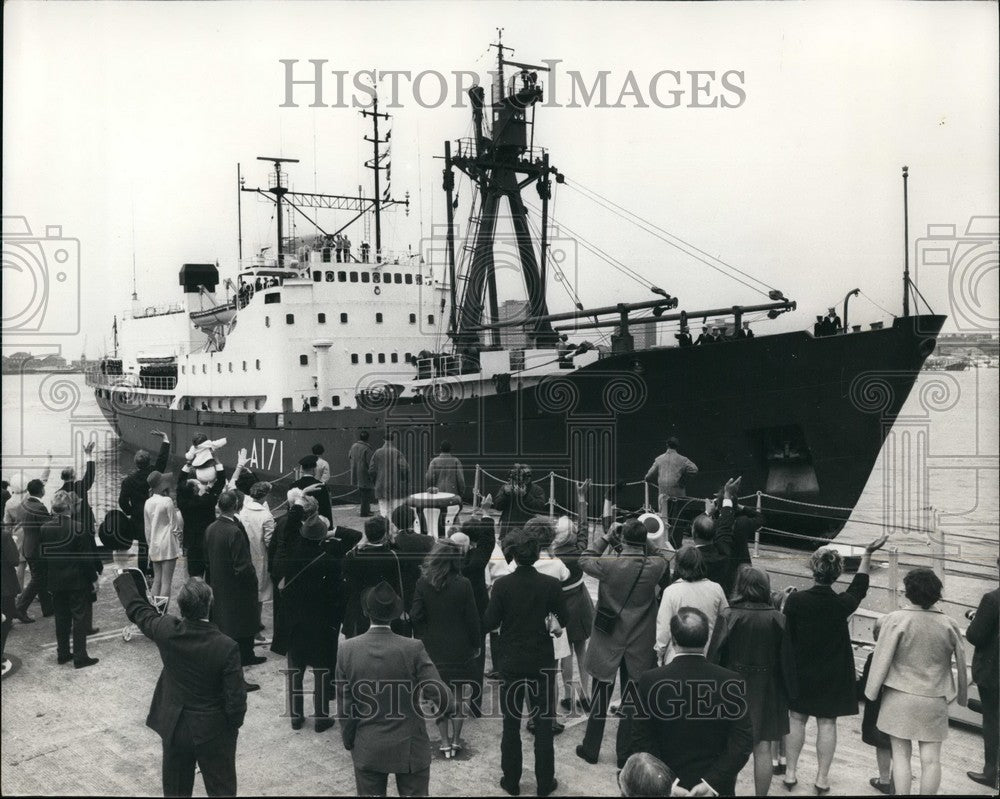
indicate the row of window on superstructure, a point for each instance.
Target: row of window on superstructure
{"x":344,"y":276}
{"x":321,"y":319}
{"x":218,"y":367}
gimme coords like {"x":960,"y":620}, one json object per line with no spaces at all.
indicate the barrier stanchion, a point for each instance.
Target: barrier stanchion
{"x":756,"y":534}
{"x":552,"y":495}
{"x":894,"y":578}
{"x":476,"y":493}
{"x":645,"y":495}
{"x":937,"y":547}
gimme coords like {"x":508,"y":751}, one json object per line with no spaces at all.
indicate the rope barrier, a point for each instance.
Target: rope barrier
{"x":785,"y":500}
{"x":806,"y":504}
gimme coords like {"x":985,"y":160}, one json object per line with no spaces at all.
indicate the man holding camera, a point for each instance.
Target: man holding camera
{"x":630,"y":571}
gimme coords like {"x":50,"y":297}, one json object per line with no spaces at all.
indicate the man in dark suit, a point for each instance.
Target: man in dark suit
{"x":745,"y":523}
{"x":745,"y":331}
{"x":371,"y":562}
{"x":71,"y":566}
{"x":233,"y":578}
{"x":33,"y":515}
{"x":411,"y":548}
{"x":200,"y":697}
{"x":9,"y":584}
{"x":381,"y":721}
{"x":693,"y":714}
{"x":520,"y":606}
{"x":79,"y":488}
{"x":683,"y":338}
{"x":714,"y":538}
{"x":135,"y":491}
{"x":982,"y":634}
{"x":704,"y":337}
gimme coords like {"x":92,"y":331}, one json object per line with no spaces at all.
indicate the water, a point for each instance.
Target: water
{"x":942,"y":454}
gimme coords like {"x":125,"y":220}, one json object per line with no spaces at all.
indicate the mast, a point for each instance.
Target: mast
{"x":239,"y":211}
{"x":906,"y":244}
{"x":502,"y":163}
{"x":449,"y":186}
{"x":279,"y":190}
{"x":377,"y":168}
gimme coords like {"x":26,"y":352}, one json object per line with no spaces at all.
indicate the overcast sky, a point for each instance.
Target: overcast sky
{"x":115,"y":112}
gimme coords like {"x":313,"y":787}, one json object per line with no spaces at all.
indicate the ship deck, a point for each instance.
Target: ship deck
{"x":69,"y":732}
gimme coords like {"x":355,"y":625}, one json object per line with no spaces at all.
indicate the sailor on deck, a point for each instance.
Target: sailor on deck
{"x":834,"y":325}
{"x":669,"y":473}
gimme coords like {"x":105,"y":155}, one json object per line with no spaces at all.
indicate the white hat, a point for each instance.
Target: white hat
{"x":654,"y":525}
{"x":15,"y":486}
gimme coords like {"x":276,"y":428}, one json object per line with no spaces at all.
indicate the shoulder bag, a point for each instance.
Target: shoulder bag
{"x":606,"y":619}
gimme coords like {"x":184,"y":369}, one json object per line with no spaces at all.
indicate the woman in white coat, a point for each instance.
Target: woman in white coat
{"x":164,"y":528}
{"x":259,"y":524}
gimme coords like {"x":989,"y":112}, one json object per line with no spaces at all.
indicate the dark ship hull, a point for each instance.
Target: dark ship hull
{"x":800,"y":418}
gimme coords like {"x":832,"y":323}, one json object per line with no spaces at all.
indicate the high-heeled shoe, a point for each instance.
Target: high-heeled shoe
{"x":447,"y":751}
{"x":821,"y":791}
{"x":789,"y":785}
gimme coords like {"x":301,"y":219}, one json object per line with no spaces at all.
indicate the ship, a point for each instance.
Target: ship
{"x":322,"y":340}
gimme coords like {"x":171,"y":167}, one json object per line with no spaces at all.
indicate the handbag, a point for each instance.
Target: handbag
{"x":605,"y":619}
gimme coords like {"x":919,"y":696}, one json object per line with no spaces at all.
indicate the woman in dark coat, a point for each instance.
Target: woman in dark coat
{"x":446,"y":619}
{"x":750,"y":638}
{"x":482,"y":540}
{"x":312,"y":601}
{"x":570,"y":542}
{"x":196,"y":502}
{"x":817,"y":621}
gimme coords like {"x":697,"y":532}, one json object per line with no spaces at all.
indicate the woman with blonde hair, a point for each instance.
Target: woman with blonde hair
{"x":163,"y":532}
{"x":817,"y":621}
{"x":912,"y":667}
{"x":445,"y":618}
{"x":569,"y":543}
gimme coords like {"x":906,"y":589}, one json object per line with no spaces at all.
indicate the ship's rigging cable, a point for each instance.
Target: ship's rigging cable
{"x":563,"y":280}
{"x":602,"y":254}
{"x":669,"y":238}
{"x":878,"y":305}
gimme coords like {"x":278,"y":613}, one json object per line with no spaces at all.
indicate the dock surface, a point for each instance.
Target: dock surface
{"x":68,"y":732}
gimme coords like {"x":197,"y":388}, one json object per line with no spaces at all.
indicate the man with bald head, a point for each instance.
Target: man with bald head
{"x":714,"y":538}
{"x":694,"y":714}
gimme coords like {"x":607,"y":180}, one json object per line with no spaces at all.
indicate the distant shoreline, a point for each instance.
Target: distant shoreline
{"x":43,"y":371}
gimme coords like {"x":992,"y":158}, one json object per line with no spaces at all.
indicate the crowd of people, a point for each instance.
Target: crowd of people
{"x":713,"y":663}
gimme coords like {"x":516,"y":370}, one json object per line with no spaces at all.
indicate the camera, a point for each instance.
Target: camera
{"x":41,"y":280}
{"x":969,"y":264}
